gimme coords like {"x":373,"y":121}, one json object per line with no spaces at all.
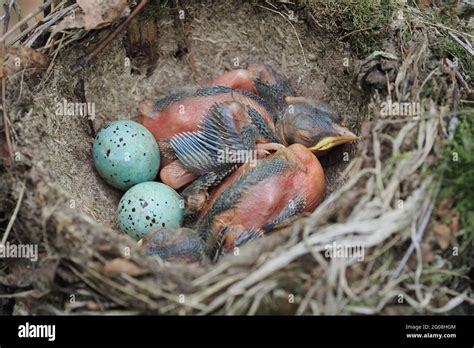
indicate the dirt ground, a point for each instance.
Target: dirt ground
{"x":219,"y":35}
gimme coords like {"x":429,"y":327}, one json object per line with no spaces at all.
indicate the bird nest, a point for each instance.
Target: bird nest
{"x":381,"y":191}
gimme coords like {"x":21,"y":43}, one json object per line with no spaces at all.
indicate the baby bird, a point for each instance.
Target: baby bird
{"x":251,"y":201}
{"x":187,"y":123}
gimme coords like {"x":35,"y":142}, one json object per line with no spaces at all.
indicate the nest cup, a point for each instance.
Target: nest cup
{"x":69,"y":211}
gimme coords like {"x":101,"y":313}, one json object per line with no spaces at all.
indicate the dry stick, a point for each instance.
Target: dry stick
{"x":82,"y":62}
{"x":6,"y":18}
{"x":426,"y":20}
{"x":24,"y":20}
{"x":419,"y":235}
{"x":15,"y":213}
{"x":465,"y":45}
{"x":6,"y":126}
{"x":459,"y":76}
{"x":51,"y":64}
{"x":354,"y":32}
{"x":81,"y":94}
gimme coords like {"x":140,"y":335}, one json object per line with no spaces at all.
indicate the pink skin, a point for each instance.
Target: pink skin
{"x":263,"y":204}
{"x":186,"y":115}
{"x":238,"y":79}
{"x":176,"y":176}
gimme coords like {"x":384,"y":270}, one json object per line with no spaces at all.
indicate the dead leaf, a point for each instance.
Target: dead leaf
{"x":444,"y":206}
{"x":21,"y":57}
{"x":427,"y":253}
{"x":442,"y":234}
{"x":95,"y":14}
{"x":120,"y":265}
{"x":71,"y":22}
{"x":101,"y":13}
{"x":448,"y":223}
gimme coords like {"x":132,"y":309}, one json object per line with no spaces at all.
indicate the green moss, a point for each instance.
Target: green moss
{"x":435,"y":89}
{"x":457,"y":172}
{"x":447,"y":12}
{"x":458,"y":167}
{"x":156,"y":9}
{"x":448,"y":48}
{"x":433,"y":276}
{"x":364,"y":24}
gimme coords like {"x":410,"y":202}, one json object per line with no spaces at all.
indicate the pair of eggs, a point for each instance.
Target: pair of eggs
{"x":127,"y":157}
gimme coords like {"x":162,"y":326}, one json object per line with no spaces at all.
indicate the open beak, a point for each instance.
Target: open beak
{"x":343,"y":135}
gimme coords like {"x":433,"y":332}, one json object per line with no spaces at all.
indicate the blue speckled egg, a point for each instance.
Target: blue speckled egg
{"x":149,"y":205}
{"x":125,"y":153}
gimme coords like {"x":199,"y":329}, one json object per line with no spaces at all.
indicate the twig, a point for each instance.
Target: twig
{"x":3,"y":38}
{"x":354,"y":32}
{"x":81,"y":95}
{"x":465,"y":45}
{"x":6,"y":16}
{"x":15,"y":213}
{"x":6,"y":125}
{"x":24,"y":20}
{"x":7,"y":8}
{"x":51,"y":64}
{"x":45,"y":24}
{"x":419,"y":236}
{"x":437,"y":25}
{"x":458,"y":75}
{"x":82,"y":62}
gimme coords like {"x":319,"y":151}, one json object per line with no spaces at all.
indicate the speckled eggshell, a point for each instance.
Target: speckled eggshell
{"x":125,"y":153}
{"x":147,"y":206}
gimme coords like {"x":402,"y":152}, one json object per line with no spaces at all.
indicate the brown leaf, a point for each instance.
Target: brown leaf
{"x":71,"y":22}
{"x":444,"y":206}
{"x":120,"y":265}
{"x":427,"y":253}
{"x":442,"y":234}
{"x":95,"y":14}
{"x":21,"y":57}
{"x":100,"y":13}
